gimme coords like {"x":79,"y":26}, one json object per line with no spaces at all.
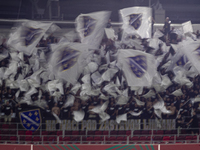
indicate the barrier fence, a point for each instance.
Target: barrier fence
{"x":102,"y":147}
{"x":13,"y":134}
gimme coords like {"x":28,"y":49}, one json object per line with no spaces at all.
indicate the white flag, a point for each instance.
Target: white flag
{"x":187,"y":27}
{"x":137,"y":20}
{"x":27,"y":36}
{"x":177,"y":92}
{"x":78,"y":115}
{"x":91,"y":27}
{"x":68,"y":61}
{"x":121,"y":118}
{"x":192,"y":51}
{"x":138,"y":67}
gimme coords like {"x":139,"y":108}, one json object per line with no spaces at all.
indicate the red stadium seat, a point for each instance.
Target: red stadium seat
{"x":90,"y":138}
{"x":44,"y":132}
{"x":13,"y":132}
{"x":68,"y":133}
{"x":45,"y":140}
{"x":97,"y":138}
{"x":52,"y":133}
{"x":59,"y":133}
{"x":12,"y":126}
{"x":112,"y":138}
{"x":82,"y":133}
{"x":98,"y":132}
{"x":168,"y":132}
{"x":146,"y":132}
{"x":136,"y":132}
{"x":5,"y":132}
{"x":60,"y":140}
{"x":121,"y":132}
{"x":105,"y":132}
{"x":21,"y":132}
{"x":142,"y":138}
{"x":75,"y":132}
{"x":5,"y":138}
{"x":90,"y":133}
{"x":166,"y":138}
{"x":135,"y":138}
{"x":36,"y":139}
{"x":36,"y":132}
{"x":113,"y":133}
{"x":52,"y":140}
{"x":66,"y":138}
{"x":13,"y":138}
{"x":128,"y":133}
{"x":5,"y":126}
{"x":29,"y":133}
{"x":159,"y":132}
{"x":157,"y":138}
{"x":75,"y":138}
{"x":28,"y":138}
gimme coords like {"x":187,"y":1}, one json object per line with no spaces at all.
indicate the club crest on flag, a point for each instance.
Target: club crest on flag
{"x":182,"y":61}
{"x":89,"y":25}
{"x":135,"y":20}
{"x":68,"y":58}
{"x":30,"y":35}
{"x":138,"y":65}
{"x":31,"y":119}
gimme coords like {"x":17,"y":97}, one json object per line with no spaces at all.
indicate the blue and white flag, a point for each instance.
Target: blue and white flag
{"x":138,"y":67}
{"x":68,"y":61}
{"x":137,"y":20}
{"x":31,"y":119}
{"x":26,"y":37}
{"x":91,"y":27}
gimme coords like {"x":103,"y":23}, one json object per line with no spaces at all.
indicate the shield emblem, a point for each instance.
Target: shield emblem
{"x":30,"y":35}
{"x":68,"y":58}
{"x":138,"y":65}
{"x":31,"y":119}
{"x":182,"y":61}
{"x":88,"y":25}
{"x":135,"y":20}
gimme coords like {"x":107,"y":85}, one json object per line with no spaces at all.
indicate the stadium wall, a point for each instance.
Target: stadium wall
{"x":101,"y":147}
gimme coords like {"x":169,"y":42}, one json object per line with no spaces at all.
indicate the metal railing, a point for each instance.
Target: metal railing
{"x":14,"y":134}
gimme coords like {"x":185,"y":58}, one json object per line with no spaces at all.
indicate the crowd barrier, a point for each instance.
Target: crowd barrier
{"x":102,"y":147}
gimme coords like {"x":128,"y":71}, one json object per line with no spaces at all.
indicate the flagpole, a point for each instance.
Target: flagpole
{"x":149,"y":3}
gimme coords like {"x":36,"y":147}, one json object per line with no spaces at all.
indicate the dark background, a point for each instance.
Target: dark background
{"x":179,"y":11}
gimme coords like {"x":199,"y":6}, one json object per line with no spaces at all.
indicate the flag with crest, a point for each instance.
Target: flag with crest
{"x":31,"y":119}
{"x":137,"y":20}
{"x":138,"y":67}
{"x":91,"y":27}
{"x":26,"y":37}
{"x":68,"y":60}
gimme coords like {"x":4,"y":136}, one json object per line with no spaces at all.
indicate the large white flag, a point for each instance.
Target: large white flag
{"x":26,"y":37}
{"x":192,"y":50}
{"x":137,"y":20}
{"x":138,"y":67}
{"x":69,"y":60}
{"x":91,"y":27}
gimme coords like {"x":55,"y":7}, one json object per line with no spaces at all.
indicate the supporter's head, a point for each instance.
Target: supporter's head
{"x":7,"y":103}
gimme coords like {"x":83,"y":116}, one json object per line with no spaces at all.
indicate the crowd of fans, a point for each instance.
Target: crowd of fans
{"x":182,"y":108}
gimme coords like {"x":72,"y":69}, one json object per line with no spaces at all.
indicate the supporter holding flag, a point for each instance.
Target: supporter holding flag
{"x":138,"y":67}
{"x":91,"y":27}
{"x":137,"y":20}
{"x":26,"y":37}
{"x":68,"y":61}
